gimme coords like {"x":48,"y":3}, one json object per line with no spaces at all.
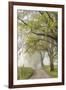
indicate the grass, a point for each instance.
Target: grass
{"x":54,"y":73}
{"x":24,"y":73}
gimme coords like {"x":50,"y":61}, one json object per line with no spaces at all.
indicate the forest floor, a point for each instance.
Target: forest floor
{"x":39,"y":73}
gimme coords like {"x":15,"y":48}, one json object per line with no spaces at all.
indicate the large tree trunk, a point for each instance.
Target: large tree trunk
{"x":42,"y":58}
{"x":51,"y":64}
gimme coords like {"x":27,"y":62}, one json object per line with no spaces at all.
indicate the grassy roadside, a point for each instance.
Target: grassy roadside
{"x":24,"y":73}
{"x":54,"y":73}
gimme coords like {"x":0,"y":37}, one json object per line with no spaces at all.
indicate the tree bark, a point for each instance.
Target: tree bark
{"x":42,"y":64}
{"x":51,"y":65}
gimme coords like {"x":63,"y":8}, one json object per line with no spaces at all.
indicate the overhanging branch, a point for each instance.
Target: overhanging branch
{"x":22,"y":21}
{"x":49,"y":16}
{"x":42,"y":34}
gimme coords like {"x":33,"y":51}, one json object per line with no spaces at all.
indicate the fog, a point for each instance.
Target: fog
{"x":33,"y":60}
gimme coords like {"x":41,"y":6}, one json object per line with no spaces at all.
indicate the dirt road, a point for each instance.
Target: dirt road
{"x":39,"y":73}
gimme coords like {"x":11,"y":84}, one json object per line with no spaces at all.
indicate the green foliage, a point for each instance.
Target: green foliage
{"x":40,"y":29}
{"x":24,"y":73}
{"x":54,"y":73}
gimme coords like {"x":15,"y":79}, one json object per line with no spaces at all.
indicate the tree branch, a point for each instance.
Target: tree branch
{"x":48,"y":41}
{"x":49,"y":16}
{"x":22,"y":21}
{"x":40,"y":12}
{"x":42,"y":34}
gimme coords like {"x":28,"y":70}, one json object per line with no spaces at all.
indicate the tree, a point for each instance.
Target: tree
{"x":52,"y":52}
{"x":39,"y":30}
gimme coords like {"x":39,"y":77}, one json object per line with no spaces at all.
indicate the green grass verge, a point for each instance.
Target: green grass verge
{"x":54,"y":73}
{"x":24,"y":73}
